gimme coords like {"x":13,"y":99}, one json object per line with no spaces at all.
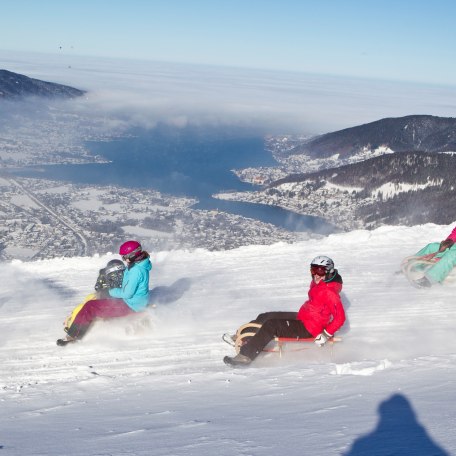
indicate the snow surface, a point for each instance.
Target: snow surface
{"x":390,"y":189}
{"x":131,"y":389}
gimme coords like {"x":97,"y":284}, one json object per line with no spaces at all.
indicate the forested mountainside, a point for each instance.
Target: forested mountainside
{"x":14,"y":85}
{"x":407,"y":188}
{"x":402,"y":134}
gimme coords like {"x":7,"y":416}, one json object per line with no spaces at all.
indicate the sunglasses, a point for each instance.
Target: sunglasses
{"x":317,"y":270}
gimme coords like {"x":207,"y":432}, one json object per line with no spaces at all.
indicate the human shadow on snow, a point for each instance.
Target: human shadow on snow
{"x":62,"y":290}
{"x":158,"y":295}
{"x":167,"y":294}
{"x":398,"y":432}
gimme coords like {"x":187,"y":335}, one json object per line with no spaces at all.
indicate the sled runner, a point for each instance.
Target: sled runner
{"x":282,"y":341}
{"x":414,"y":267}
{"x":243,"y":334}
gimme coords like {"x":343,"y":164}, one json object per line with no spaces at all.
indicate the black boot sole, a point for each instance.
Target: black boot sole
{"x":230,"y":362}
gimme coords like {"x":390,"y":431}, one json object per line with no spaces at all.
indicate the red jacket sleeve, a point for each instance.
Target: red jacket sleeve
{"x":337,"y":311}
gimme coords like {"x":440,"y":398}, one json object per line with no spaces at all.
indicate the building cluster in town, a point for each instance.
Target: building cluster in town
{"x":44,"y":219}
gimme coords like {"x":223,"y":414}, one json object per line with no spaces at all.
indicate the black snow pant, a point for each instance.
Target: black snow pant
{"x":262,"y":318}
{"x":285,"y":324}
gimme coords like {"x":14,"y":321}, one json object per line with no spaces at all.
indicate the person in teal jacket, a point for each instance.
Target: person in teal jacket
{"x":135,"y":283}
{"x":133,"y":296}
{"x":444,"y":253}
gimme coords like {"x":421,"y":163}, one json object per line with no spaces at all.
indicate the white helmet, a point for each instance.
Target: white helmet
{"x":324,"y":261}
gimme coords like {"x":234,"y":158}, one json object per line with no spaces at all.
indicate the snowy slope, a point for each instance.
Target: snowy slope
{"x":387,"y":388}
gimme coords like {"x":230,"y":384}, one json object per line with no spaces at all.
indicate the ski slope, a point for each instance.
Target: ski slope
{"x":161,"y":388}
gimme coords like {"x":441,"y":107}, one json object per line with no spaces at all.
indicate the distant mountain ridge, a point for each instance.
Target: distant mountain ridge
{"x":395,"y":171}
{"x":408,"y":167}
{"x":402,"y":134}
{"x":14,"y":85}
{"x":405,"y":188}
{"x":402,"y":188}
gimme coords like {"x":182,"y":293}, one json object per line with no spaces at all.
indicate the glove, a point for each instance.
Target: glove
{"x":322,"y":338}
{"x":446,"y":244}
{"x":101,"y":281}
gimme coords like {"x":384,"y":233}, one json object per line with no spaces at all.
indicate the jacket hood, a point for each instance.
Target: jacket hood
{"x":144,"y":264}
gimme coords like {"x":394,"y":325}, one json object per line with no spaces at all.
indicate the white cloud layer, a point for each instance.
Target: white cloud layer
{"x":140,"y":93}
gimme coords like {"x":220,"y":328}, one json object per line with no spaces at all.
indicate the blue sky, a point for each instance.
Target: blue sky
{"x":408,"y":40}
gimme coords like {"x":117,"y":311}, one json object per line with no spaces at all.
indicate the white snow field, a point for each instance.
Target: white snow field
{"x":388,"y":388}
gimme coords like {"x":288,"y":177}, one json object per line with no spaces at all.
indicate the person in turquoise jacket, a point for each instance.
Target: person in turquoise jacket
{"x":135,"y":283}
{"x":131,"y":297}
{"x":444,"y":253}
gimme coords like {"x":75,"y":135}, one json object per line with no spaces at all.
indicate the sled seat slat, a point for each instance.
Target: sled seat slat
{"x":281,"y":341}
{"x":308,"y":339}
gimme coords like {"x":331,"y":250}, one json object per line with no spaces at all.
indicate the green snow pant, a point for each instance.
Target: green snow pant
{"x":444,"y":266}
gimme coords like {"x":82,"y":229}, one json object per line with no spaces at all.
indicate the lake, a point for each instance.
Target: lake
{"x":191,"y":162}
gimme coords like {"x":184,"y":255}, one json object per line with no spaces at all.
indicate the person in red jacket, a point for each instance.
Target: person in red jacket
{"x":319,"y":317}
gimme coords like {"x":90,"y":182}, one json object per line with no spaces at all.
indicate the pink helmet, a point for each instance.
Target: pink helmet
{"x":130,"y":250}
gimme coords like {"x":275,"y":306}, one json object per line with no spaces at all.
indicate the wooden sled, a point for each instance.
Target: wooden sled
{"x":304,"y":344}
{"x":280,"y":342}
{"x":415,"y":267}
{"x":242,"y":336}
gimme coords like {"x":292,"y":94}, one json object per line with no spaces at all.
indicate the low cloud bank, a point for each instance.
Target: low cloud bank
{"x":130,"y":93}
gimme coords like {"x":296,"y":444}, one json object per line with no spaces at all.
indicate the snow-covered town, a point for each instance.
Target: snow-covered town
{"x":44,"y":219}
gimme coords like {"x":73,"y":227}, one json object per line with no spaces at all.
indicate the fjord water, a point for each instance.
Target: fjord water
{"x":190,"y":162}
